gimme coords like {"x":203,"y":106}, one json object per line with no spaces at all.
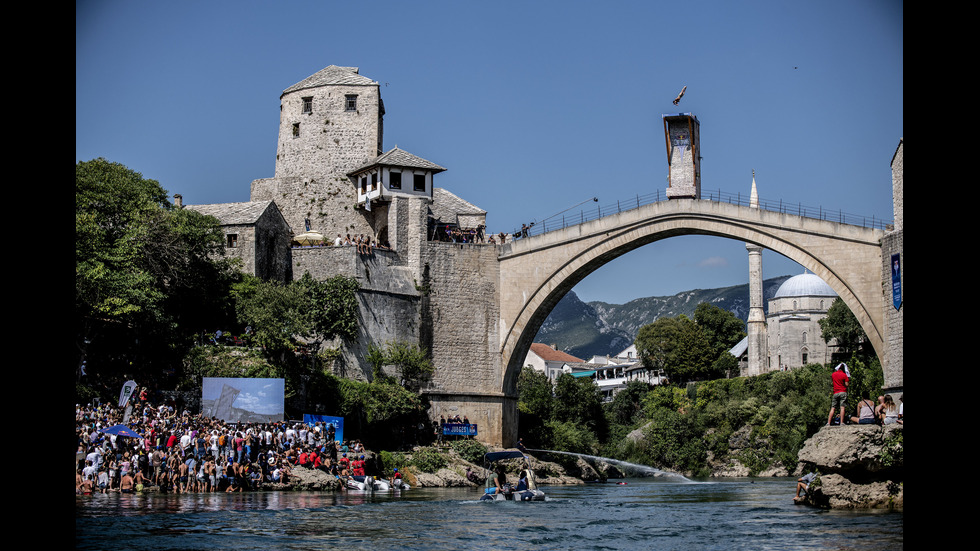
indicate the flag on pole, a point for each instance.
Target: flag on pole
{"x":127,"y":390}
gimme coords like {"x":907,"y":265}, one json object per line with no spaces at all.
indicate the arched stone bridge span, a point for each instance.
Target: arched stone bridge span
{"x":537,"y":271}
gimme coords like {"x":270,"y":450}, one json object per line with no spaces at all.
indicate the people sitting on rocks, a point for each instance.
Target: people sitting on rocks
{"x":803,"y":484}
{"x":866,"y":412}
{"x":889,"y":411}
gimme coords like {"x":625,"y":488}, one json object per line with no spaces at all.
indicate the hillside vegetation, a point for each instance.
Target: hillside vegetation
{"x":743,"y":425}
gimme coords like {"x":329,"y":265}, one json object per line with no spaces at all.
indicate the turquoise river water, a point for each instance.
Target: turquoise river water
{"x":643,"y":513}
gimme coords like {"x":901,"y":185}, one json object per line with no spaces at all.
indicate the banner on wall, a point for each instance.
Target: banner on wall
{"x":459,"y":429}
{"x":326,"y":420}
{"x":897,"y":281}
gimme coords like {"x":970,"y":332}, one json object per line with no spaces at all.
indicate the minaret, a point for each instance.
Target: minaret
{"x":757,"y":317}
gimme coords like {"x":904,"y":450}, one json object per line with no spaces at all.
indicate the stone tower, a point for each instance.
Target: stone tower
{"x":757,"y":317}
{"x":683,"y":135}
{"x":329,"y":124}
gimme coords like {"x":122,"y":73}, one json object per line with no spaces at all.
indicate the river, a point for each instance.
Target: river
{"x":643,"y":513}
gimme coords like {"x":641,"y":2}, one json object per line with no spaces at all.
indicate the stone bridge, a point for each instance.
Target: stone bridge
{"x":537,"y":271}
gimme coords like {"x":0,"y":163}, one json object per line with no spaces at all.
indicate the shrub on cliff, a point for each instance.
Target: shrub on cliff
{"x":470,"y":450}
{"x":428,"y":460}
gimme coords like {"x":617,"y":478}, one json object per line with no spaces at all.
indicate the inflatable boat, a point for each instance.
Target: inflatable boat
{"x":496,"y":489}
{"x":371,"y":484}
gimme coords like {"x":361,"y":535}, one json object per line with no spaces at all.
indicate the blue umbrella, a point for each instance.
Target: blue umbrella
{"x":121,"y":430}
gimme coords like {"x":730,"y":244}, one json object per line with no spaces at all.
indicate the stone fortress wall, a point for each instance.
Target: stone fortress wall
{"x":894,"y":244}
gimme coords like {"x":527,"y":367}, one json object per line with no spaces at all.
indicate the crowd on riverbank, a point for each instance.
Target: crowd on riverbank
{"x":184,"y":452}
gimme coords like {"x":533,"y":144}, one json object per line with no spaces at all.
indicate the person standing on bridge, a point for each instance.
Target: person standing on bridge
{"x":840,"y":379}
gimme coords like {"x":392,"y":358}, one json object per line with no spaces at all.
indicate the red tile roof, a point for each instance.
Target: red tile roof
{"x":549,"y":354}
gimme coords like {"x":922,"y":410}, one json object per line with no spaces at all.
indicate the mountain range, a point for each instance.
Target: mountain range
{"x":586,"y":329}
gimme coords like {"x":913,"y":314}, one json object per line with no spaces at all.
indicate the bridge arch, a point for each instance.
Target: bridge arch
{"x":536,"y":272}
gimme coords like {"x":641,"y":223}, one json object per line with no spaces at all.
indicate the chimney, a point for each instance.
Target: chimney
{"x":178,"y":200}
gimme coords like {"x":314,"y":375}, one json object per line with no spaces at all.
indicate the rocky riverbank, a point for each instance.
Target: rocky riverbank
{"x":452,"y":475}
{"x":858,"y":467}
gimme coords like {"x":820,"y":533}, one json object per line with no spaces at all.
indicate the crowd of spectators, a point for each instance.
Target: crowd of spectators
{"x":364,"y":244}
{"x":183,"y":452}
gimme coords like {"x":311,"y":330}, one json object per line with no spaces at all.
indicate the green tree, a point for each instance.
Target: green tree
{"x":678,"y":346}
{"x":535,"y":404}
{"x":329,"y":311}
{"x":691,"y":350}
{"x":842,"y":325}
{"x":331,"y":307}
{"x":721,"y":328}
{"x":626,"y":407}
{"x":380,"y":414}
{"x":146,"y":275}
{"x":306,"y":311}
{"x":579,"y":401}
{"x":410,"y":360}
{"x":275,"y":311}
{"x":113,"y":287}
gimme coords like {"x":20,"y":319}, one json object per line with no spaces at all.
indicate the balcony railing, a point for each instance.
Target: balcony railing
{"x":564,"y":220}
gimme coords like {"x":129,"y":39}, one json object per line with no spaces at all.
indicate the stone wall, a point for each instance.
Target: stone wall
{"x":449,"y":305}
{"x":272,"y":256}
{"x":894,"y":318}
{"x":388,"y":300}
{"x":462,"y":299}
{"x":460,"y":309}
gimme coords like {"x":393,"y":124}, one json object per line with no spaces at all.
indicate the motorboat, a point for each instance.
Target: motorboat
{"x":526,"y":488}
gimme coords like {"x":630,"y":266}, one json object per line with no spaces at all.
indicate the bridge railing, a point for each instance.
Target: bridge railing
{"x":564,"y":220}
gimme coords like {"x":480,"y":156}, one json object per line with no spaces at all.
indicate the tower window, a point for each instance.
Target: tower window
{"x":350,"y":102}
{"x":296,"y":130}
{"x":307,"y":105}
{"x":232,"y":240}
{"x":363,"y":185}
{"x":374,"y":182}
{"x":419,"y":182}
{"x":395,"y":180}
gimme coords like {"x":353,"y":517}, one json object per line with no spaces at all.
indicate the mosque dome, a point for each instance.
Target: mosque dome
{"x":804,"y":285}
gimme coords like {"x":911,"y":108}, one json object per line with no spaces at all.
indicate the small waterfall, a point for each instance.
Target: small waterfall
{"x":625,"y":466}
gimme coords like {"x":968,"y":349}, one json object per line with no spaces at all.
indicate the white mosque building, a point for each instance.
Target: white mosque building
{"x":792,"y":336}
{"x":792,"y":323}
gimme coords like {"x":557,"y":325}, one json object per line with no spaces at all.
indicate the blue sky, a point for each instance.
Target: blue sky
{"x":531,"y":106}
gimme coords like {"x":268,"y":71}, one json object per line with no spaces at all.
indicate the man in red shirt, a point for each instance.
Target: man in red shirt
{"x":840,"y":380}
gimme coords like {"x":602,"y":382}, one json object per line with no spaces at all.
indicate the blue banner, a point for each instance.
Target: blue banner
{"x":896,"y":281}
{"x":337,"y":422}
{"x":459,"y":429}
